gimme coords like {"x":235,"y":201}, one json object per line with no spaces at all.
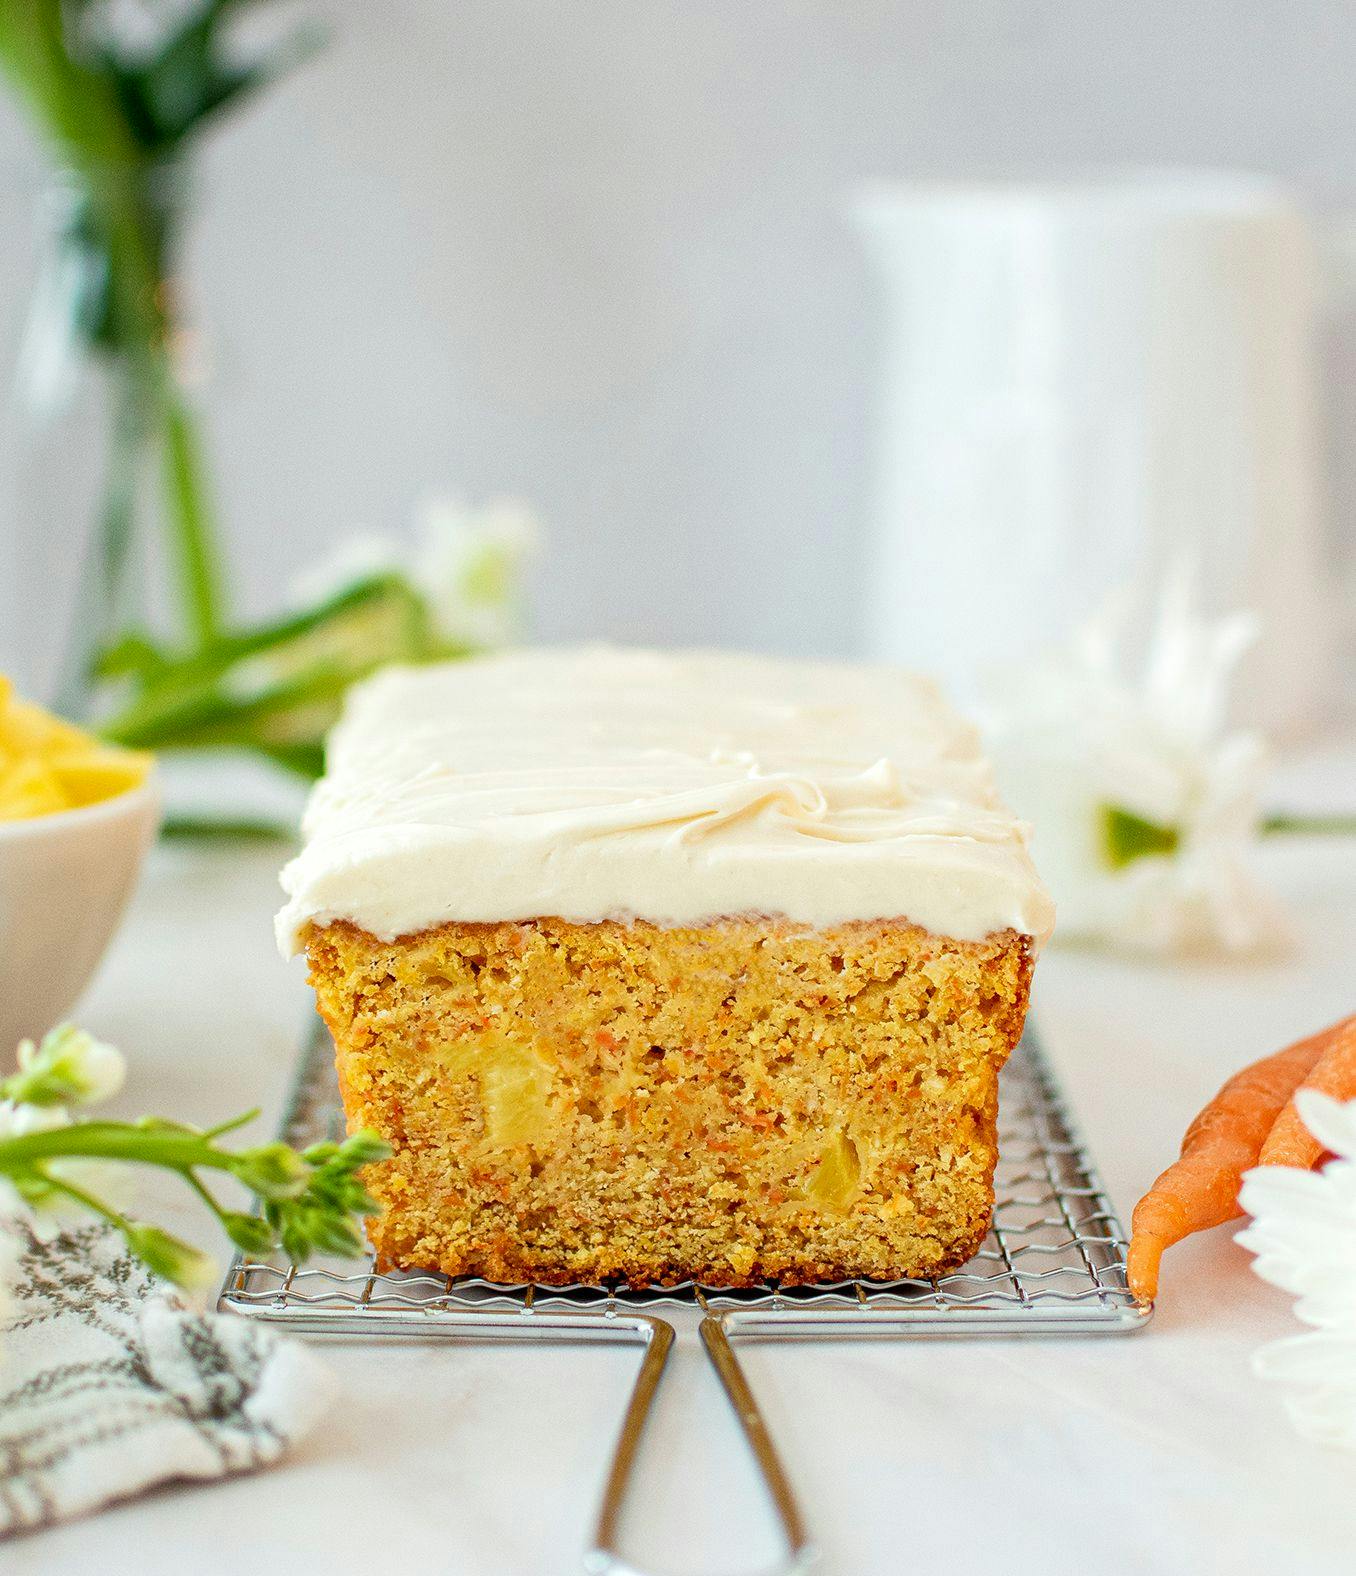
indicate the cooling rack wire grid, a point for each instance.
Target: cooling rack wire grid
{"x":1053,"y":1263}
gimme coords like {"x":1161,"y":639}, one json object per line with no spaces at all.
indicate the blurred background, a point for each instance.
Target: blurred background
{"x":600,"y":257}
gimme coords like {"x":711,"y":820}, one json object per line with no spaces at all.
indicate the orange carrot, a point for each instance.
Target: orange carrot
{"x":1201,"y":1189}
{"x":1290,"y":1143}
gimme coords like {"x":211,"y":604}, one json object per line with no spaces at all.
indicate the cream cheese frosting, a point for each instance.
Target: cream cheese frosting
{"x":599,"y":783}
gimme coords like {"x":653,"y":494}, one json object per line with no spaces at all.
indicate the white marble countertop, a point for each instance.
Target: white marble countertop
{"x":1161,"y":1453}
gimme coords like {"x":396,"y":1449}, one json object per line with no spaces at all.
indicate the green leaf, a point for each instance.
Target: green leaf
{"x":133,"y":655}
{"x":276,"y":687}
{"x":169,"y":94}
{"x":227,"y":85}
{"x":306,"y":760}
{"x":1127,"y":837}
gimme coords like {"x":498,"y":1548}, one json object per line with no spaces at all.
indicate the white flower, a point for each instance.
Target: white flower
{"x":1303,"y":1232}
{"x":465,"y":564}
{"x":18,"y":1119}
{"x":74,"y":1064}
{"x":469,"y":568}
{"x":1145,"y":806}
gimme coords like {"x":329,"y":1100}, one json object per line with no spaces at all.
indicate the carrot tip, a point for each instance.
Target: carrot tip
{"x":1141,"y":1267}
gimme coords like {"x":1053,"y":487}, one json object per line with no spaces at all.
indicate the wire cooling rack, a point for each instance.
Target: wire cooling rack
{"x":1053,"y":1263}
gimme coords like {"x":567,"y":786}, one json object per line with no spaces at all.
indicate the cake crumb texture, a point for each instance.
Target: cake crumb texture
{"x":742,"y":1100}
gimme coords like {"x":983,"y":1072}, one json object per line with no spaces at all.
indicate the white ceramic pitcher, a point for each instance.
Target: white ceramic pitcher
{"x":1083,"y":381}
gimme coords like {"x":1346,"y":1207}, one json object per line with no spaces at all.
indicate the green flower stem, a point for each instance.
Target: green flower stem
{"x":1286,"y":825}
{"x":1127,"y":836}
{"x":96,"y":1206}
{"x":197,"y":560}
{"x":308,"y":1201}
{"x":243,"y":1120}
{"x":79,"y":111}
{"x":115,"y":539}
{"x":226,"y":829}
{"x":172,"y":1149}
{"x":119,"y":178}
{"x":158,"y":1251}
{"x":205,"y":1194}
{"x":101,"y":604}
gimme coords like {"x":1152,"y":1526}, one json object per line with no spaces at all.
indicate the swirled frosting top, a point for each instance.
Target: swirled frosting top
{"x":597,"y":783}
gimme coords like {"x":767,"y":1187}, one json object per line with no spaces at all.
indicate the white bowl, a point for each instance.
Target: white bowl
{"x":64,"y":881}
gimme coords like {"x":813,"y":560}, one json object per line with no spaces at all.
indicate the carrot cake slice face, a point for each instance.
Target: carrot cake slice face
{"x":667,"y":965}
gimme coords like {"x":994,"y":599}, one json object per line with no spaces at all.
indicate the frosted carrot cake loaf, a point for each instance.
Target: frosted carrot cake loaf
{"x":667,"y":965}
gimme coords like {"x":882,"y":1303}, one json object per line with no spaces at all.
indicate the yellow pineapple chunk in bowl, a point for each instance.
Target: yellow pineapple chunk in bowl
{"x":28,"y":788}
{"x":90,"y":776}
{"x":48,"y":764}
{"x":76,"y":819}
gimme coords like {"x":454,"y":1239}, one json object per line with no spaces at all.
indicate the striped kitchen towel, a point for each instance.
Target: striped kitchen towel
{"x":110,"y":1384}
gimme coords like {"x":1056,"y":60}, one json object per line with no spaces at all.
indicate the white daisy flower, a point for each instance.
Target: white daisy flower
{"x":1303,"y":1233}
{"x":465,"y":565}
{"x":469,"y":567}
{"x":1144,"y":803}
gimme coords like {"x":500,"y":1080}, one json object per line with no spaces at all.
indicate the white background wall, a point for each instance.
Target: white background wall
{"x":594,"y":253}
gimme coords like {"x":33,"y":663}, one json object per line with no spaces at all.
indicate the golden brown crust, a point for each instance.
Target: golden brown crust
{"x":728,"y":1103}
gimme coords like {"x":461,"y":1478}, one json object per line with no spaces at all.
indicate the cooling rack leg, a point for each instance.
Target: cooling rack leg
{"x":604,"y":1558}
{"x":802,"y":1555}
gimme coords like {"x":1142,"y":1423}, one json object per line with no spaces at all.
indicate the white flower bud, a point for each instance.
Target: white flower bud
{"x":99,"y":1068}
{"x":69,"y":1065}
